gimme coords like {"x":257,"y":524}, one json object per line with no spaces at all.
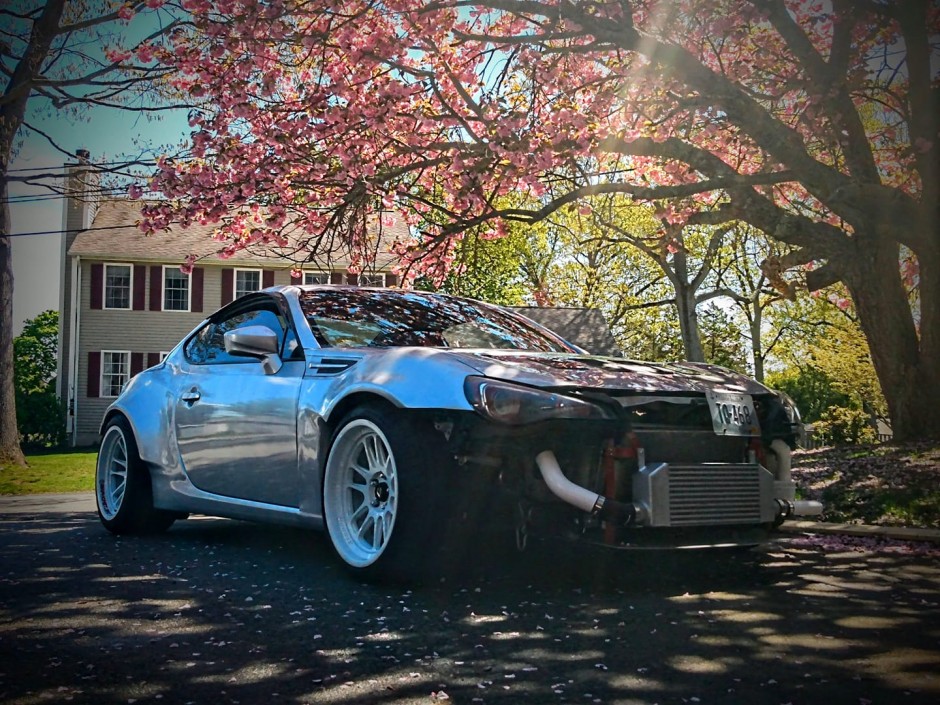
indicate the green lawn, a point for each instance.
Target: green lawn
{"x":69,"y":471}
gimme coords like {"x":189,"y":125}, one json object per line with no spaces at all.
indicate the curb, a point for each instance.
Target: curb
{"x":895,"y":533}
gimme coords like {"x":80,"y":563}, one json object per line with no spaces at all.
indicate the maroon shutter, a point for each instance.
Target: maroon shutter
{"x":156,"y":288}
{"x":352,"y":279}
{"x":296,"y":277}
{"x":267,"y":278}
{"x":153,"y":359}
{"x":137,"y":363}
{"x":97,"y":286}
{"x":336,"y":277}
{"x":94,"y":374}
{"x":196,"y":284}
{"x":228,"y":285}
{"x":140,"y":286}
{"x":391,"y":279}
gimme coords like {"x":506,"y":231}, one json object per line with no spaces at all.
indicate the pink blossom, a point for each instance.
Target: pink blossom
{"x":126,"y":12}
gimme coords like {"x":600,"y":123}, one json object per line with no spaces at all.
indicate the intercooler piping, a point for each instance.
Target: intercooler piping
{"x":788,"y":506}
{"x":605,"y":508}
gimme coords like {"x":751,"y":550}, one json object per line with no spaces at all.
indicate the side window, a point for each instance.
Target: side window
{"x":207,"y":346}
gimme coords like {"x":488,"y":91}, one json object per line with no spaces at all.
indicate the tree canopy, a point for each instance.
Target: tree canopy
{"x":814,"y":122}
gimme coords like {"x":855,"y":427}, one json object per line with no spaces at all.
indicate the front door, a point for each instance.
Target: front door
{"x":236,"y":426}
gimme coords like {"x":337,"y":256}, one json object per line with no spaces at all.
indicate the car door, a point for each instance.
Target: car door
{"x":235,"y":423}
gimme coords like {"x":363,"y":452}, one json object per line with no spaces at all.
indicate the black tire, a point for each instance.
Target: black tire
{"x":384,"y":478}
{"x":123,"y":492}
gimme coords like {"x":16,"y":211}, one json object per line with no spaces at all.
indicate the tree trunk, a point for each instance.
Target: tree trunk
{"x":757,"y":354}
{"x":19,"y":88}
{"x":10,"y":452}
{"x":908,"y":367}
{"x":688,"y":324}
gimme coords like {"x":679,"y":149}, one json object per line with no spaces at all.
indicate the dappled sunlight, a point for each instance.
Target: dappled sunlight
{"x":219,"y":609}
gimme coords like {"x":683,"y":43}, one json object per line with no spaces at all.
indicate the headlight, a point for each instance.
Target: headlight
{"x":790,"y":408}
{"x":515,"y":405}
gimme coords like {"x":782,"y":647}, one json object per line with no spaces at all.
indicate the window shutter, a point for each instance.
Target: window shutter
{"x":391,"y":279}
{"x":267,"y":278}
{"x":156,"y":288}
{"x":352,"y":279}
{"x":296,"y":278}
{"x":137,"y":363}
{"x":195,"y":293}
{"x":94,"y":374}
{"x":228,"y":285}
{"x":153,"y":359}
{"x":336,"y":277}
{"x":97,"y":286}
{"x":140,"y":286}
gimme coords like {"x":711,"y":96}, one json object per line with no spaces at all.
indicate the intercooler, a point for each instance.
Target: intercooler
{"x":709,"y":494}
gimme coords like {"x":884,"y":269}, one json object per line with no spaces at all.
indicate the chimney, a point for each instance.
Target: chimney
{"x":81,"y":193}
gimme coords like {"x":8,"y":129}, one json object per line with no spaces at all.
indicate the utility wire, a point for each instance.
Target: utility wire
{"x":91,"y":165}
{"x":27,"y":198}
{"x":84,"y":230}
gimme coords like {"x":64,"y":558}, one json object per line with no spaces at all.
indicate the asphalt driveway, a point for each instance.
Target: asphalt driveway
{"x":218,"y":611}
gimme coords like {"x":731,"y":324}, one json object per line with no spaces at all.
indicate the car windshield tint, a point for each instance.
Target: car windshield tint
{"x":356,"y":318}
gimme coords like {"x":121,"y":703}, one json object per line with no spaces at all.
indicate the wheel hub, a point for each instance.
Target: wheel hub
{"x":380,"y":491}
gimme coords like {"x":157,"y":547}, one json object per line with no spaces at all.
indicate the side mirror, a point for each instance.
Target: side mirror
{"x":255,"y":341}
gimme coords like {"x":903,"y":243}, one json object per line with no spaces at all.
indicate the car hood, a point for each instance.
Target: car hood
{"x":561,"y":370}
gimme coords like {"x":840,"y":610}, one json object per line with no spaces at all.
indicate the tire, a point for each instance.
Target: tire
{"x":122,"y":485}
{"x":382,"y":479}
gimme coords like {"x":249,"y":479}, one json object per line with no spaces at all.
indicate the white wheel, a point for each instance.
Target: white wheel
{"x":122,"y":485}
{"x":360,"y":493}
{"x":111,"y":473}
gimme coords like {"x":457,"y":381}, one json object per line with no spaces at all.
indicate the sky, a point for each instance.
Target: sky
{"x":106,"y":134}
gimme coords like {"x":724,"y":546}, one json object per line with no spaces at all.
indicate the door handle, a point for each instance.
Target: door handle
{"x":192,"y":396}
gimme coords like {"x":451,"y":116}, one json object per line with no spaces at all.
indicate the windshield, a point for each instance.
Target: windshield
{"x":342,"y":318}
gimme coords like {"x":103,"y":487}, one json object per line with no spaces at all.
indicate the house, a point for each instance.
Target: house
{"x":585,"y":327}
{"x":124,"y":300}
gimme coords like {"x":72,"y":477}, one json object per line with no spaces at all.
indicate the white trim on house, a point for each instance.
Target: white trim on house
{"x":71,"y":398}
{"x":326,"y":275}
{"x":104,"y":287}
{"x":163,"y":354}
{"x":189,"y":290}
{"x":375,"y":279}
{"x":101,"y":378}
{"x":244,"y":270}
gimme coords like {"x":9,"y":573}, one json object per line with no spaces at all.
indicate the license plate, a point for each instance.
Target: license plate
{"x":733,"y":414}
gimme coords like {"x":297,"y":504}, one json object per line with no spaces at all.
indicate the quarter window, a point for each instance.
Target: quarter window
{"x":247,"y":281}
{"x":115,"y":371}
{"x":175,"y":290}
{"x":316,"y":277}
{"x":117,"y":286}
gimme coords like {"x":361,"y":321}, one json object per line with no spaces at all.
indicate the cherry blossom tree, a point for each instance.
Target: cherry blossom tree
{"x":57,"y":58}
{"x":815,"y":121}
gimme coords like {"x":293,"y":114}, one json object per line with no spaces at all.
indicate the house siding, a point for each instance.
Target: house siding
{"x":139,"y":332}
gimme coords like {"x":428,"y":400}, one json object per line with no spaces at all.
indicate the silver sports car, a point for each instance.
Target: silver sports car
{"x":397,"y":420}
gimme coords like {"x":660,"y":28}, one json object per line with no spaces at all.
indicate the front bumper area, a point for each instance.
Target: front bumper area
{"x":685,"y":495}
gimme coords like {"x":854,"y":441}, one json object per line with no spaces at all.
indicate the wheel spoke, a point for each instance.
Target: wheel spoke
{"x":369,"y":523}
{"x":378,"y":536}
{"x":370,"y":444}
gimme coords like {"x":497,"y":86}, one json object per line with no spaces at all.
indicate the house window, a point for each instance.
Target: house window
{"x":377,"y":279}
{"x":175,"y":290}
{"x":115,"y":371}
{"x":247,"y":281}
{"x":316,"y":277}
{"x":117,"y":286}
{"x":163,"y":355}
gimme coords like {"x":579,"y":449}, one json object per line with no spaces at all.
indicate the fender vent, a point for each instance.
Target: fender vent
{"x":331,"y":365}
